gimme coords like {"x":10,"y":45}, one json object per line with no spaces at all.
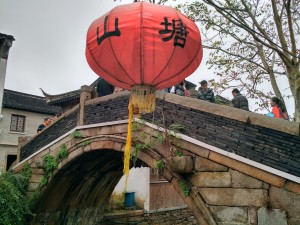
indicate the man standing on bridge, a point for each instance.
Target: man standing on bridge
{"x":239,"y":101}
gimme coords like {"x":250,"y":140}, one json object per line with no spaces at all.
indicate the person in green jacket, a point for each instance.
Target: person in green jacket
{"x":239,"y":101}
{"x":205,"y":93}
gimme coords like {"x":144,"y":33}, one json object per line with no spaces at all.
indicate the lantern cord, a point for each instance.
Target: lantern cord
{"x":128,"y":145}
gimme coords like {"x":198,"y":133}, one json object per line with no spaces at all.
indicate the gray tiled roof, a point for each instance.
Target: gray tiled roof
{"x":27,"y":102}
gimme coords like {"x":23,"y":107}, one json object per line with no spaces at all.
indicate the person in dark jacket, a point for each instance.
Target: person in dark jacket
{"x":239,"y":101}
{"x":205,"y":93}
{"x":104,"y":88}
{"x":47,"y":122}
{"x":179,"y":89}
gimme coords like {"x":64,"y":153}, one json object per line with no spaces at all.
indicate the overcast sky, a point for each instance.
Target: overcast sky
{"x":49,"y":51}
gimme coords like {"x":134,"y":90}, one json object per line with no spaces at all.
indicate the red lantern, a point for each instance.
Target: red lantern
{"x":143,"y":44}
{"x":143,"y":47}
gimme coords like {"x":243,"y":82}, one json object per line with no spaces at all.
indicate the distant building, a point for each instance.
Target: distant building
{"x":70,"y":99}
{"x":21,"y":115}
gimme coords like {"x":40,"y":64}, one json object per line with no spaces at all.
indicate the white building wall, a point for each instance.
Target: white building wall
{"x":3,"y":63}
{"x":138,"y":182}
{"x":9,"y":139}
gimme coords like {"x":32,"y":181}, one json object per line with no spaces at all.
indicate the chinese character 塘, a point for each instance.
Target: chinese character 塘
{"x":177,"y":29}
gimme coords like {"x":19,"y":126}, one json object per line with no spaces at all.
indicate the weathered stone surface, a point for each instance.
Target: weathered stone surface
{"x":198,"y":150}
{"x":117,"y":129}
{"x":61,"y":142}
{"x":240,"y":180}
{"x":147,"y":159}
{"x":292,"y":186}
{"x":285,"y":200}
{"x":234,"y":197}
{"x":271,"y":217}
{"x":165,"y":217}
{"x":118,"y":146}
{"x":230,"y":215}
{"x":205,"y":165}
{"x":280,"y":125}
{"x":37,"y":171}
{"x":32,"y":186}
{"x":102,"y":145}
{"x":221,"y":110}
{"x":39,"y":155}
{"x":38,"y":163}
{"x":236,"y":114}
{"x":71,"y":155}
{"x":180,"y":164}
{"x":211,"y":179}
{"x":247,"y":169}
{"x":266,"y":186}
{"x":160,"y":95}
{"x":36,"y":178}
{"x":252,"y":216}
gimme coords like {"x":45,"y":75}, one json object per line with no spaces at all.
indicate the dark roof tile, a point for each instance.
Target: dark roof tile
{"x":23,"y":101}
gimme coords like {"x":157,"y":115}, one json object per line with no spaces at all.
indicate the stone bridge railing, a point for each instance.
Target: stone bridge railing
{"x":272,"y":142}
{"x":243,"y":162}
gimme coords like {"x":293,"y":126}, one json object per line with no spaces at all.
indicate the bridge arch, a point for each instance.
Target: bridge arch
{"x":85,"y":180}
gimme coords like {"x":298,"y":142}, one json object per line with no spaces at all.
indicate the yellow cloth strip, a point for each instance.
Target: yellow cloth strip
{"x":128,"y":145}
{"x":142,"y":97}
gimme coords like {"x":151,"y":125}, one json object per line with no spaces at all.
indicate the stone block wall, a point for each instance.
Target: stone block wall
{"x":132,"y":217}
{"x":232,"y":192}
{"x":234,"y":197}
{"x":270,"y":147}
{"x":166,"y":217}
{"x":59,"y":128}
{"x":105,"y":111}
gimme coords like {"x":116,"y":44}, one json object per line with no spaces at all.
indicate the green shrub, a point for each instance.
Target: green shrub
{"x":14,"y":206}
{"x":160,"y":164}
{"x":62,"y":154}
{"x":176,"y":127}
{"x":50,"y":165}
{"x":185,"y":188}
{"x":76,"y":134}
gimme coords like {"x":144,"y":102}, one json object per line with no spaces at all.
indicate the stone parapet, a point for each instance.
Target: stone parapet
{"x":235,"y":114}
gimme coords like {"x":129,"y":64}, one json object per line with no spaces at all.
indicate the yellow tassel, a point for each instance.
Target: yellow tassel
{"x":128,"y":144}
{"x":143,"y":97}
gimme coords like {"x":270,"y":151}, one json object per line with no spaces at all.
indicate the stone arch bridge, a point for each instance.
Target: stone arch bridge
{"x":239,"y":167}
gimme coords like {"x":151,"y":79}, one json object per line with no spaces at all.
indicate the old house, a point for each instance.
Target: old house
{"x":21,"y":115}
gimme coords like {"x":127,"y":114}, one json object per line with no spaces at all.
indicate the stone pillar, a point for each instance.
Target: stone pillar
{"x":22,"y":140}
{"x":85,"y":94}
{"x":5,"y":44}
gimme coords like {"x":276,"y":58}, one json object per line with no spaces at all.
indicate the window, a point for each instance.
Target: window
{"x":17,"y":123}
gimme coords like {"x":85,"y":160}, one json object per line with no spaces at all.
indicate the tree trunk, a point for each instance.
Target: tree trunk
{"x":297,"y":110}
{"x":293,"y":73}
{"x":297,"y":99}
